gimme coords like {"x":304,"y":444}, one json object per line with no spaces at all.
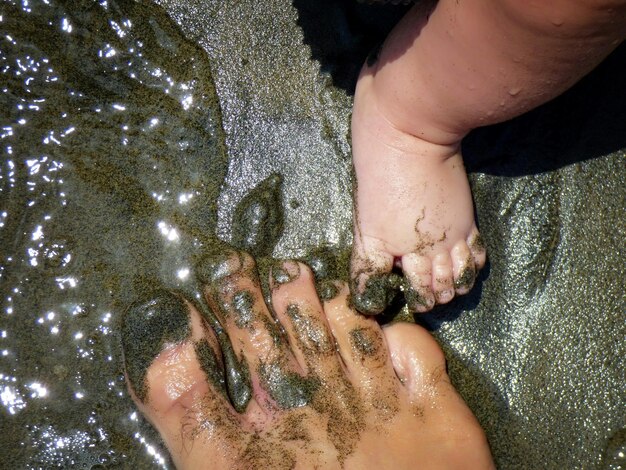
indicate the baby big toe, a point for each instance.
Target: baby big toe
{"x":371,"y":282}
{"x":443,"y":285}
{"x":174,"y":371}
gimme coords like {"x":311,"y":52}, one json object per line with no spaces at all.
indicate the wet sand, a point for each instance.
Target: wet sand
{"x":133,"y":138}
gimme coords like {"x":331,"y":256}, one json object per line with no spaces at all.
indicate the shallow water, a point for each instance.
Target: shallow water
{"x":130,"y":134}
{"x":113,"y":156}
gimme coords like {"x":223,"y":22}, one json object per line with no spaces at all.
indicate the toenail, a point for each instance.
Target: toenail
{"x":148,"y":326}
{"x":288,"y":389}
{"x":218,"y":265}
{"x":465,"y":279}
{"x":365,"y":341}
{"x":323,"y":262}
{"x":310,"y":330}
{"x":445,"y":295}
{"x":477,"y":244}
{"x":415,"y":300}
{"x":327,"y":290}
{"x":282,"y":273}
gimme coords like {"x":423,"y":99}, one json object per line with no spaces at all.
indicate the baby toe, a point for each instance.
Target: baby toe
{"x":442,"y":280}
{"x":418,"y":272}
{"x":477,"y":248}
{"x":176,"y":377}
{"x":463,"y":267}
{"x":371,"y":284}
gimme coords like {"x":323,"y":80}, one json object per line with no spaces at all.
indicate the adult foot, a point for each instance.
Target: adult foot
{"x":328,"y":387}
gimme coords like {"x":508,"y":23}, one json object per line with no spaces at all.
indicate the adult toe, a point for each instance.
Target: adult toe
{"x":297,"y":306}
{"x":176,"y":377}
{"x":363,"y":349}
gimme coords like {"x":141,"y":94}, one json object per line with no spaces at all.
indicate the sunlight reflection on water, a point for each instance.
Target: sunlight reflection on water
{"x":112,"y":158}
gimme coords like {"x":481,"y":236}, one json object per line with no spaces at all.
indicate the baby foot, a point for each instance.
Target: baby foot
{"x":329,"y":388}
{"x":413,"y":210}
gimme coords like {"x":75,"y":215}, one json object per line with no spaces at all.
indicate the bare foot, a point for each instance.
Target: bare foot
{"x":329,"y":387}
{"x":445,"y":69}
{"x":413,"y":205}
{"x":413,"y":209}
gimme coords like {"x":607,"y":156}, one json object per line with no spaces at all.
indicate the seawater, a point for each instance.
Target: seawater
{"x":112,"y":160}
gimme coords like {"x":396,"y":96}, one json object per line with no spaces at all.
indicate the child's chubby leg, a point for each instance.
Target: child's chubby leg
{"x":447,"y":68}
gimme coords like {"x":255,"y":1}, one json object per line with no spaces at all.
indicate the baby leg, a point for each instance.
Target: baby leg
{"x":445,"y":69}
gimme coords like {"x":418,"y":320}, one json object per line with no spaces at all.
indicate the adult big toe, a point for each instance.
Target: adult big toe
{"x":448,"y":431}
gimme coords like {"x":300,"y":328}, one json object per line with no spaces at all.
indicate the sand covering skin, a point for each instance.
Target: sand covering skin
{"x":131,"y":134}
